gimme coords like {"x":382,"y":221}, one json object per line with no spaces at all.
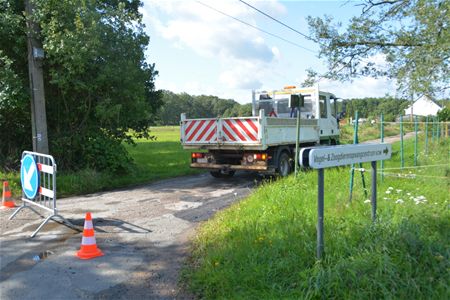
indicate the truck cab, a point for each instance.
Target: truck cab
{"x":312,"y":104}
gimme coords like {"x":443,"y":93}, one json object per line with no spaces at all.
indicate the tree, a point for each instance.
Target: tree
{"x":172,"y":108}
{"x":444,"y":114}
{"x":99,"y":87}
{"x":239,"y":110}
{"x":202,"y":106}
{"x":412,"y":35}
{"x":15,"y":124}
{"x":373,"y":107}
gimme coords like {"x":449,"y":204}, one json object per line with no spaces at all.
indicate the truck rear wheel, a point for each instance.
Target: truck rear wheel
{"x":222,"y":174}
{"x":284,"y":164}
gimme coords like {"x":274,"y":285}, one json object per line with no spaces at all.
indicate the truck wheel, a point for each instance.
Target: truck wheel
{"x":222,"y":174}
{"x":284,"y":165}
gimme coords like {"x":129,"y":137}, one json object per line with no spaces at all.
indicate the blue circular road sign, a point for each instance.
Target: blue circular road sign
{"x":29,"y":176}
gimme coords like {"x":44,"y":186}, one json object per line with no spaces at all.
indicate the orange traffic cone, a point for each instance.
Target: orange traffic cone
{"x":88,"y":244}
{"x":6,"y":198}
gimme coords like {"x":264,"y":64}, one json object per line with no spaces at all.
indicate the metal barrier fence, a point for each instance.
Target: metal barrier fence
{"x":45,"y":197}
{"x":439,"y":129}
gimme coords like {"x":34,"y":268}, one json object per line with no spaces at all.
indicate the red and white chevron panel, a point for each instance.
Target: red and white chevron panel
{"x":240,"y":130}
{"x":200,"y":131}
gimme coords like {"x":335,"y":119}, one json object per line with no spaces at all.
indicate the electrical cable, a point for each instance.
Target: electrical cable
{"x":255,"y":27}
{"x":270,"y":17}
{"x":430,"y":123}
{"x":410,"y":176}
{"x":416,"y":167}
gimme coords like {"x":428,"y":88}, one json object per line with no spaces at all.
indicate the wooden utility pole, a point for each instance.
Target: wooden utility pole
{"x":35,"y":57}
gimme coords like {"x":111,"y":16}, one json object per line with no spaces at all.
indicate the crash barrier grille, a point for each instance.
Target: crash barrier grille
{"x":46,"y":194}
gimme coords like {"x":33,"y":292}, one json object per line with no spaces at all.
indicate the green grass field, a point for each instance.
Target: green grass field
{"x":154,"y":160}
{"x":264,"y":246}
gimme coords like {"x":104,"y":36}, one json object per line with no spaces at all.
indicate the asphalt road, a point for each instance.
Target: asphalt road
{"x":143,"y":232}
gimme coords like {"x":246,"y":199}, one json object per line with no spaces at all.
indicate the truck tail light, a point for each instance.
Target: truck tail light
{"x":260,"y":156}
{"x":253,"y":157}
{"x":197,"y":155}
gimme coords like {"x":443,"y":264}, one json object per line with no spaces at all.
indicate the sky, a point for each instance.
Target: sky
{"x":198,"y":50}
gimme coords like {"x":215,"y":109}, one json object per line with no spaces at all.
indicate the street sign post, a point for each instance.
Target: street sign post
{"x":326,"y":157}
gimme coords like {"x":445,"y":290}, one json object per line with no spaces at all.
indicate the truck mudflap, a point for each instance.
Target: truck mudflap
{"x":211,"y":166}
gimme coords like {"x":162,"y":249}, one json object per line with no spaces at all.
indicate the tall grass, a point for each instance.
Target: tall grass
{"x":264,"y":247}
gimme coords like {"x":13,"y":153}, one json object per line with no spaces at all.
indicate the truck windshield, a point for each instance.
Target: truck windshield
{"x":323,"y":106}
{"x":283,"y":106}
{"x":333,"y":106}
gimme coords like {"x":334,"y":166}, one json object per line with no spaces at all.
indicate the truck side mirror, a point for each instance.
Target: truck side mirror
{"x":296,"y":101}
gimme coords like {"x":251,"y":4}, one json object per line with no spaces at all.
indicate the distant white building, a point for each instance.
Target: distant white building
{"x":423,"y":106}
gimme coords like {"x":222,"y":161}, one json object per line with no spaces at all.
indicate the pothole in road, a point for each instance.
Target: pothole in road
{"x":22,"y":264}
{"x":149,"y":200}
{"x":42,"y":255}
{"x":220,"y":193}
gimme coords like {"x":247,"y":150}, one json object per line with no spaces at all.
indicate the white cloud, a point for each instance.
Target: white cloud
{"x":359,"y":87}
{"x":243,"y":76}
{"x":363,"y":86}
{"x":207,"y":32}
{"x":242,"y":52}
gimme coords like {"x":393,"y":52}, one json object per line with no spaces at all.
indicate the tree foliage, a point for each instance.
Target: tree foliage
{"x":374,"y":107}
{"x":198,"y":107}
{"x":411,"y":36}
{"x":98,"y":86}
{"x":444,"y":114}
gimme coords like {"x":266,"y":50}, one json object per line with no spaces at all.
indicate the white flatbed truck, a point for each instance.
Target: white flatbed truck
{"x":266,"y":141}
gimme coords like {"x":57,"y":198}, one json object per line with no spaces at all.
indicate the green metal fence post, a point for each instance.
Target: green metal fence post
{"x":382,"y":140}
{"x":363,"y":180}
{"x":432,"y":129}
{"x":297,"y":141}
{"x":426,"y":135}
{"x":355,"y":141}
{"x":415,"y":142}
{"x":438,"y":130}
{"x":401,"y":142}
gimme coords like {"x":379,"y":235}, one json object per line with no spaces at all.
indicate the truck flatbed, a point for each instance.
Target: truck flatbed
{"x":247,"y":133}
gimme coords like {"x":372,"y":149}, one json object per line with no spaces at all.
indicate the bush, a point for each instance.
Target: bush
{"x":444,"y":114}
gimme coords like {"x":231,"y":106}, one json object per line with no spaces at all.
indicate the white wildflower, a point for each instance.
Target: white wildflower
{"x":409,"y":194}
{"x":400,"y":201}
{"x":390,"y":188}
{"x":367,"y":201}
{"x":388,"y":192}
{"x":398,"y":191}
